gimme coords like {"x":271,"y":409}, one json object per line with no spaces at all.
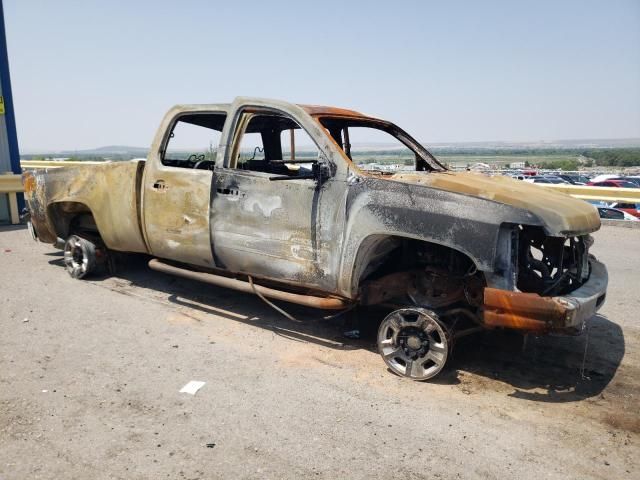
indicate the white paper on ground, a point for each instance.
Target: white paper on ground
{"x":192,"y":387}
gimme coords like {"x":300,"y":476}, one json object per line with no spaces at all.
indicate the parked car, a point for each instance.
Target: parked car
{"x":614,"y":182}
{"x":603,"y":177}
{"x":615,"y":214}
{"x":630,"y":208}
{"x":547,"y":179}
{"x":634,"y":178}
{"x":574,"y":179}
{"x":453,"y":252}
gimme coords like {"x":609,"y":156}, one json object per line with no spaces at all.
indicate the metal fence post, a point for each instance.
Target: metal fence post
{"x":9,"y":153}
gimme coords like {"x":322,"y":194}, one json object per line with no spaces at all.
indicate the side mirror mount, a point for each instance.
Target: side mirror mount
{"x":322,"y":171}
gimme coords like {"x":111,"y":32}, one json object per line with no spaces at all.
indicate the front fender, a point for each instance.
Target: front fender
{"x":377,"y":206}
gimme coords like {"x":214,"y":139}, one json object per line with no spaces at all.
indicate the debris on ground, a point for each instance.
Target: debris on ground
{"x":353,"y":334}
{"x":192,"y":387}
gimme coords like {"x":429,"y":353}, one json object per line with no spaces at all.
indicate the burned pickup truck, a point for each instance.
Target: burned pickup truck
{"x":274,"y":202}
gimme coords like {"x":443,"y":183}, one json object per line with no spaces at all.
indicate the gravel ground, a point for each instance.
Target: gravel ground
{"x":90,"y":373}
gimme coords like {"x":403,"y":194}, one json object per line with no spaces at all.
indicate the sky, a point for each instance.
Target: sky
{"x":91,"y":73}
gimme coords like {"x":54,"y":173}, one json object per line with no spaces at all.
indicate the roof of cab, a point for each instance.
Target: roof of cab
{"x":313,"y":110}
{"x":322,"y":111}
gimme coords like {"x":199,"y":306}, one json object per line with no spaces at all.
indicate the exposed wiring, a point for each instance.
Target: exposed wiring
{"x":584,"y":356}
{"x":271,"y":304}
{"x":288,"y":315}
{"x":255,"y":151}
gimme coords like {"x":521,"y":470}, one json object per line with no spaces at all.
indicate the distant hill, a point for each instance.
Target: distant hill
{"x":117,"y":150}
{"x":109,"y":150}
{"x":121,"y":152}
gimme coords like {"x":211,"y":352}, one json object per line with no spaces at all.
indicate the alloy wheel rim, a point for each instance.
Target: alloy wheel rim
{"x":75,"y":259}
{"x":413,"y":344}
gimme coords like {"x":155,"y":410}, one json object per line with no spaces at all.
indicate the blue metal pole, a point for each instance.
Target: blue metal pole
{"x":9,"y":113}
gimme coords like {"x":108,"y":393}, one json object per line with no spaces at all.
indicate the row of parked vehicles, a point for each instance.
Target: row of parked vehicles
{"x":618,"y":210}
{"x":577,"y":179}
{"x":607,"y":210}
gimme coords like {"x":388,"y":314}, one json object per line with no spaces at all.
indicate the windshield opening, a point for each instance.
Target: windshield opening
{"x":379,"y":146}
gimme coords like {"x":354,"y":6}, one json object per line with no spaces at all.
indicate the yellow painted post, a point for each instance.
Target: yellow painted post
{"x":11,"y":184}
{"x":13,"y":208}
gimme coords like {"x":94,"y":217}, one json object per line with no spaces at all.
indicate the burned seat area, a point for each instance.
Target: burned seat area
{"x":263,"y":147}
{"x":551,"y":266}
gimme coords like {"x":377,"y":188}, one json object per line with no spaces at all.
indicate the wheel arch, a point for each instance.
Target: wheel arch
{"x":67,"y":217}
{"x":374,"y":249}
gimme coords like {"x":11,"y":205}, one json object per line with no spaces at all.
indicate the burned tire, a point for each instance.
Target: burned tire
{"x":79,"y":256}
{"x":413,"y":343}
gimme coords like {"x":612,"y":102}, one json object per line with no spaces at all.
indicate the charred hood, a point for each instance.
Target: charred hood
{"x":561,"y":214}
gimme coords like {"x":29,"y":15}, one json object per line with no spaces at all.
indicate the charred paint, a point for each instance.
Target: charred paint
{"x":522,"y":311}
{"x":108,"y":192}
{"x":559,"y":213}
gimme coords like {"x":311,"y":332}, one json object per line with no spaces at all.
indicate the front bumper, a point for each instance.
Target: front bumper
{"x":531,"y":312}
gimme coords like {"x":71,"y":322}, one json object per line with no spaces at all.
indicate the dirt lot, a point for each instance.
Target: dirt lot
{"x":90,"y":373}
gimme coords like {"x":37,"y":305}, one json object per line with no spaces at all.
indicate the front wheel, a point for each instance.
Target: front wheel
{"x":413,"y":343}
{"x":79,"y":256}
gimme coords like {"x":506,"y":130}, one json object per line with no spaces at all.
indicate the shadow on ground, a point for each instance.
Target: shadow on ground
{"x":11,"y":228}
{"x":547,"y":368}
{"x":542,"y":369}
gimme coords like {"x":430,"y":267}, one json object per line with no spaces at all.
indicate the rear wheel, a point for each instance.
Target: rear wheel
{"x":413,"y":343}
{"x":79,"y":256}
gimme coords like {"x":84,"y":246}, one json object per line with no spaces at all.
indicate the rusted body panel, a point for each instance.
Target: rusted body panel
{"x":289,"y":231}
{"x":176,"y":215}
{"x":264,"y":228}
{"x":521,"y":311}
{"x":379,"y":207}
{"x":323,"y":111}
{"x":534,"y":313}
{"x":322,"y":234}
{"x":175,"y":202}
{"x":109,"y":192}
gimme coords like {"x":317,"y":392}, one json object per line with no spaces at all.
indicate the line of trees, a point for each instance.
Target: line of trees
{"x":615,"y":157}
{"x":568,"y":165}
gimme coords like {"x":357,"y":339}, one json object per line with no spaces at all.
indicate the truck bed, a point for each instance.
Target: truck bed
{"x":109,"y":192}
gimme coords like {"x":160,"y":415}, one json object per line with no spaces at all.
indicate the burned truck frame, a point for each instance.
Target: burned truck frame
{"x":449,"y":251}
